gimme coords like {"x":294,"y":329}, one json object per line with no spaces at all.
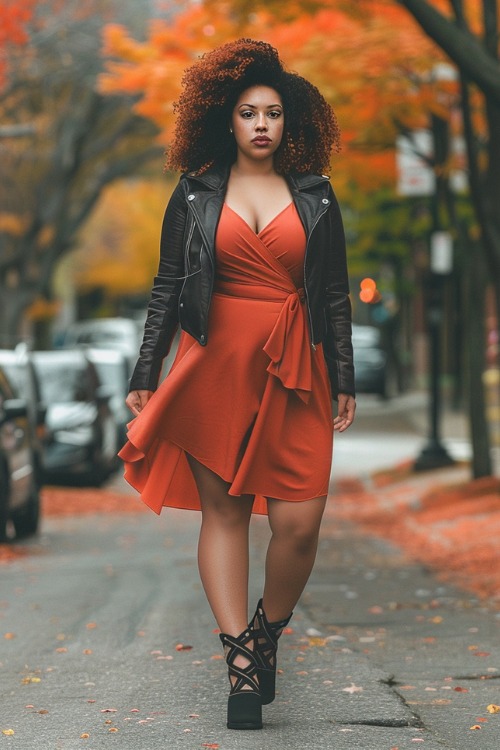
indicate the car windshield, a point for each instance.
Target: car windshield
{"x":62,"y":382}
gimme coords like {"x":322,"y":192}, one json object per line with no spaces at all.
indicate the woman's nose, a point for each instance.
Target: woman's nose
{"x":261,"y":123}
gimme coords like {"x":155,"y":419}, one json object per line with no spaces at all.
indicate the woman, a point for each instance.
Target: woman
{"x":252,"y":266}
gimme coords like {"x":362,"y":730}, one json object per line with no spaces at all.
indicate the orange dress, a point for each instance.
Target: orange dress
{"x":254,"y":404}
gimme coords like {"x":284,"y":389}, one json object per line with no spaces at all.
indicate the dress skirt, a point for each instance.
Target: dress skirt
{"x":254,"y":404}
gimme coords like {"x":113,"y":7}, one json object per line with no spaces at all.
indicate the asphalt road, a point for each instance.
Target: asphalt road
{"x":106,"y":640}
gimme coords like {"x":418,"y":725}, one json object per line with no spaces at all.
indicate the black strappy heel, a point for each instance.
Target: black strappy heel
{"x":266,"y":636}
{"x":244,"y":706}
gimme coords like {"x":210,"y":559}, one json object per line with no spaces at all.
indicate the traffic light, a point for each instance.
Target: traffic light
{"x":369,"y":292}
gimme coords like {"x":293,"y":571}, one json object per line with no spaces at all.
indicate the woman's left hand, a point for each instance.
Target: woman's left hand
{"x":345,"y":412}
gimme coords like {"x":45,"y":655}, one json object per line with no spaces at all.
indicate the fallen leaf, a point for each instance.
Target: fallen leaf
{"x":27,"y":680}
{"x":61,"y":650}
{"x":87,"y":651}
{"x":481,"y":719}
{"x":313,"y":632}
{"x":459,"y":689}
{"x":352,"y":689}
{"x":108,"y":710}
{"x":43,"y":711}
{"x":113,"y":729}
{"x":476,"y":726}
{"x":134,"y":710}
{"x":91,"y":625}
{"x":183,"y":647}
{"x":9,"y":636}
{"x":212,"y":745}
{"x":8,"y":732}
{"x":481,"y":653}
{"x":317,"y":642}
{"x":84,"y":736}
{"x":287,"y":631}
{"x":493,"y":708}
{"x":436,"y":620}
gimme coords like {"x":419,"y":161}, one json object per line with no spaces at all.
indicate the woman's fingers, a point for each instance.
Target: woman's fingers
{"x":345,"y":412}
{"x":137,"y":400}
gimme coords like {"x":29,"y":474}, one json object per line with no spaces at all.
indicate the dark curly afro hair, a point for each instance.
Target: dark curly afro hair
{"x":211,"y":87}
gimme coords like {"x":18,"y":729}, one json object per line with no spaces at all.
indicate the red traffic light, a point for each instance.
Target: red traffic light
{"x":369,"y":292}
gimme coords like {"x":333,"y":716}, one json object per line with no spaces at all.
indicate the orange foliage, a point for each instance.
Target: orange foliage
{"x":118,"y":249}
{"x":372,"y":63}
{"x":14,"y":15}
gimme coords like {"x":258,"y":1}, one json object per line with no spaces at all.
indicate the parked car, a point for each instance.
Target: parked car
{"x":112,"y":369}
{"x":370,"y":361}
{"x":20,"y":371}
{"x":121,"y":334}
{"x":82,"y":432}
{"x":19,"y":491}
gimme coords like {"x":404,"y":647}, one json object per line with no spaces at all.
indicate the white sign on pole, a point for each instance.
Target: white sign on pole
{"x":415,"y":176}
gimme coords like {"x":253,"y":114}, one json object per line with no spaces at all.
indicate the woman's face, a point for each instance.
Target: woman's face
{"x":258,"y":122}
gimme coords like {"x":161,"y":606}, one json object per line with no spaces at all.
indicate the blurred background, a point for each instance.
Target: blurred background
{"x":86,"y":113}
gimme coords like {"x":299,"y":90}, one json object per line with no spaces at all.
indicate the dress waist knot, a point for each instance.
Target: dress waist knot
{"x":288,"y":345}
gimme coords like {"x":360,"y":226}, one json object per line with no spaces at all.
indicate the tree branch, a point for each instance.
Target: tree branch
{"x":460,"y":46}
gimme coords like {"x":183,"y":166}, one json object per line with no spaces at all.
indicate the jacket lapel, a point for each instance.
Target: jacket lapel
{"x":310,"y":203}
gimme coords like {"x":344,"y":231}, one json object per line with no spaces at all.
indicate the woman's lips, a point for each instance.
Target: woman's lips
{"x":261,"y":141}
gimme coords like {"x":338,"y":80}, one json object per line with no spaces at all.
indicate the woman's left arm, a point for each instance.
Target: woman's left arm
{"x":337,"y":344}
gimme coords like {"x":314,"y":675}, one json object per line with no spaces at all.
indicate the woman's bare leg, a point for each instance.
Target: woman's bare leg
{"x":291,"y":553}
{"x":223,"y":549}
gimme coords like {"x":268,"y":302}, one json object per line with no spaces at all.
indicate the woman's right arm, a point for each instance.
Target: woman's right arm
{"x":162,"y":315}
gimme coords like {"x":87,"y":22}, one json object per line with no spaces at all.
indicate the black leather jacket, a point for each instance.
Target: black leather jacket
{"x":182,"y":289}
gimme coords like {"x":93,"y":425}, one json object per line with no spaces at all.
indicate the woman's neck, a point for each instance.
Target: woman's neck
{"x":244,"y":167}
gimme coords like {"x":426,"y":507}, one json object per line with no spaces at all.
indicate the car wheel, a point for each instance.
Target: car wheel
{"x":27,"y":519}
{"x":4,"y":503}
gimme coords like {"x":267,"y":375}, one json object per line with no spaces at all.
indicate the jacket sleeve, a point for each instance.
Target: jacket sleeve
{"x":163,"y":314}
{"x":337,"y":345}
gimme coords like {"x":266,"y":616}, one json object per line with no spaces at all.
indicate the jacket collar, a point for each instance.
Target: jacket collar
{"x":216,"y":178}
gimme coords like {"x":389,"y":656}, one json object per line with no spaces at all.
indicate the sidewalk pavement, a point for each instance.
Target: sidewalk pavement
{"x":106,"y":640}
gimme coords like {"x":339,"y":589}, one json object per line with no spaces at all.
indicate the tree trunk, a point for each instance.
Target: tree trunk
{"x":474,"y":295}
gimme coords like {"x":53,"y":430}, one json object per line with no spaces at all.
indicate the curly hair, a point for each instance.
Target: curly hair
{"x":211,"y":87}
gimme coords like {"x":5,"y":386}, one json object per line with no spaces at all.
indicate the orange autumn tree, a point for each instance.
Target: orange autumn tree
{"x":376,"y":88}
{"x":14,"y":17}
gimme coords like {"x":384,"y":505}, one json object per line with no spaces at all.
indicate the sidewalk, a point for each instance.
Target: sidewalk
{"x":106,"y":638}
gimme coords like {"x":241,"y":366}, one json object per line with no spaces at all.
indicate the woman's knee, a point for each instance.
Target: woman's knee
{"x":297,"y":525}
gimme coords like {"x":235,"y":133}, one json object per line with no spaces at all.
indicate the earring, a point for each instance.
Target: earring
{"x":230,"y":130}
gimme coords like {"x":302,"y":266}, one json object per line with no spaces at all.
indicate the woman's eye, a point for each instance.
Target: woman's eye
{"x":247,"y":115}
{"x":275,"y":114}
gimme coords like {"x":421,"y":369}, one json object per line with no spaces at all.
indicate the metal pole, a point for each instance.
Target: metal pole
{"x":434,"y":454}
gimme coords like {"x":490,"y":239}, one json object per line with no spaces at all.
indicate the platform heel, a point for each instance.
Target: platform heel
{"x":266,"y":635}
{"x":244,"y":706}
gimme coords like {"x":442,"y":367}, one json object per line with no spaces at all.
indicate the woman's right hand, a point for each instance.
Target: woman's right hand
{"x":137,"y":400}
